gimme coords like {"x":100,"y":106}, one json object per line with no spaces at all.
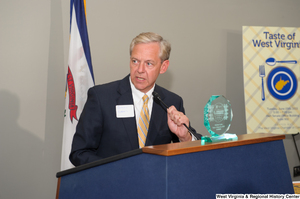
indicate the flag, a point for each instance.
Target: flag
{"x":79,"y":79}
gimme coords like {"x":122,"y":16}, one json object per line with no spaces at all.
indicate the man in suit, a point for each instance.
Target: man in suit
{"x":109,"y":124}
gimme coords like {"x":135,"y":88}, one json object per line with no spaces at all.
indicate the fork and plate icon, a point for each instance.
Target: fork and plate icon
{"x":273,"y":81}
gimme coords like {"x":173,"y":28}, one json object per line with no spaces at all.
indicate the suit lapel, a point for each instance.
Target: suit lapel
{"x":129,"y":123}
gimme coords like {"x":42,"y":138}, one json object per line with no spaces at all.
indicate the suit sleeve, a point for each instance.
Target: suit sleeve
{"x":88,"y":132}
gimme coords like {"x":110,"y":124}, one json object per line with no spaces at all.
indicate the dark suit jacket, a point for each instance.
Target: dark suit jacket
{"x":100,"y":134}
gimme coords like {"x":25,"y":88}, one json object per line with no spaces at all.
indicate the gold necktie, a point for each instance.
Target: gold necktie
{"x":143,"y":122}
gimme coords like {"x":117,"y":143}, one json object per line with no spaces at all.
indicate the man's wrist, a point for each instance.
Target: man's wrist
{"x":187,"y":138}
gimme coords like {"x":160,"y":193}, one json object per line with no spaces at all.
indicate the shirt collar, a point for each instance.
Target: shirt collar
{"x":138,"y":94}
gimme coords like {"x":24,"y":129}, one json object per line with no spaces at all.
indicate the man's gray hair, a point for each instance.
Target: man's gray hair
{"x":149,"y":37}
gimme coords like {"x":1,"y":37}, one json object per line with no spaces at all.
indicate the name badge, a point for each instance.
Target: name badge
{"x":124,"y":111}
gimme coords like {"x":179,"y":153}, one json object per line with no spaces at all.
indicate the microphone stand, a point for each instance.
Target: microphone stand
{"x":157,"y":98}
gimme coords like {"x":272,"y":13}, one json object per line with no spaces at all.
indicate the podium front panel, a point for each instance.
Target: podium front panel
{"x":259,"y":168}
{"x":141,"y":176}
{"x":250,"y":169}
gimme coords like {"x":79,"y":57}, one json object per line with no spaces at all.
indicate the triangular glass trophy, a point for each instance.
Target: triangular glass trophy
{"x":217,"y":120}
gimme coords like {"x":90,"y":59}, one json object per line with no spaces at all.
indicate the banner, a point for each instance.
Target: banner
{"x":271,"y":79}
{"x":79,"y":77}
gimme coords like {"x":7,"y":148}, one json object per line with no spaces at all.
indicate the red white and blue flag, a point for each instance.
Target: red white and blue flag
{"x":80,"y":76}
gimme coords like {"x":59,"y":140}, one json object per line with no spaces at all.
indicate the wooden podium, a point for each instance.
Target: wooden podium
{"x":254,"y":164}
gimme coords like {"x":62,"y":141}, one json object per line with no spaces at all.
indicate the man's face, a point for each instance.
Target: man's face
{"x":145,"y":66}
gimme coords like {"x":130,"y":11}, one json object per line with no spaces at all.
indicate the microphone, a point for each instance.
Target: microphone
{"x":158,"y":99}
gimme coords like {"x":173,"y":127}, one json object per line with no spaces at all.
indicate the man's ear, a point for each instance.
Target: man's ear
{"x":164,"y":66}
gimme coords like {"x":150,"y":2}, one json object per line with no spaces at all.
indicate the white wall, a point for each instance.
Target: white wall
{"x":206,"y":59}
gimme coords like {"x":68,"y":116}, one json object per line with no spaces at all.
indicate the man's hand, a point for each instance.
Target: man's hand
{"x":176,"y":120}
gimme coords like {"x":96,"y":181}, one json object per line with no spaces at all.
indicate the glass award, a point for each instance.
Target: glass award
{"x":217,"y":120}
